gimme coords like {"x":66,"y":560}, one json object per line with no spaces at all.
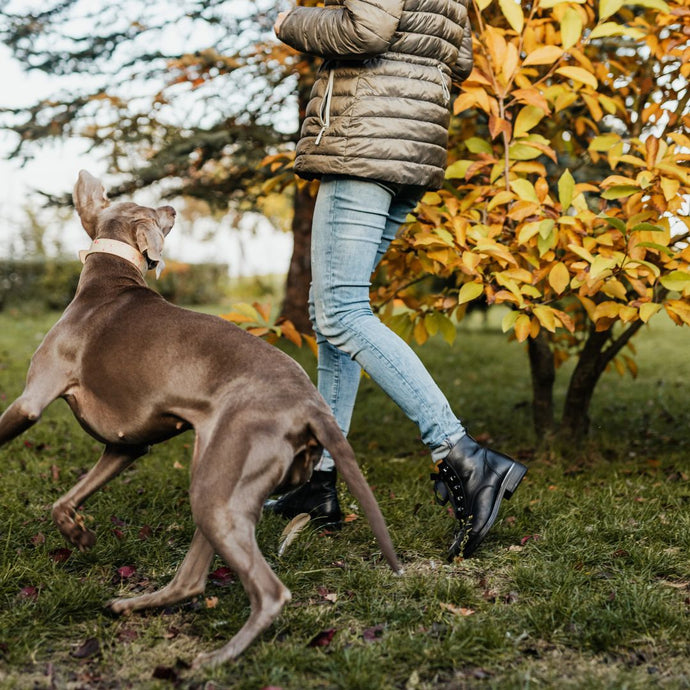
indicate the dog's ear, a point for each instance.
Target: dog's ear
{"x":149,"y":237}
{"x":166,"y":218}
{"x":90,"y":199}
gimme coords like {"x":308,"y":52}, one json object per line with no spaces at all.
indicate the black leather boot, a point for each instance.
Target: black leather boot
{"x":475,"y":479}
{"x":318,"y":497}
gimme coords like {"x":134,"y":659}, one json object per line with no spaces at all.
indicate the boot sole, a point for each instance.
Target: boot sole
{"x":508,"y":487}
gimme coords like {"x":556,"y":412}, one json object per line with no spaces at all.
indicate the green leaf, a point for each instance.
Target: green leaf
{"x":618,"y":191}
{"x":470,"y":291}
{"x":658,"y":247}
{"x":647,"y":227}
{"x":457,"y":169}
{"x":566,"y":187}
{"x":615,"y":223}
{"x":676,"y":280}
{"x":477,"y":145}
{"x":509,"y":320}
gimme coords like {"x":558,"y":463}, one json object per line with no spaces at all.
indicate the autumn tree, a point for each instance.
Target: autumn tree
{"x":190,"y":96}
{"x":566,"y":198}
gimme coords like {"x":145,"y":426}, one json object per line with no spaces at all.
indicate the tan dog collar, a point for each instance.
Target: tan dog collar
{"x":117,"y":248}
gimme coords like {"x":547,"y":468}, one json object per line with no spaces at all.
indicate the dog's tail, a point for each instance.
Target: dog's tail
{"x":329,"y":435}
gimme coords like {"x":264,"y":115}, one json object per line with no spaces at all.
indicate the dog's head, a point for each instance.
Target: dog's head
{"x":139,"y":226}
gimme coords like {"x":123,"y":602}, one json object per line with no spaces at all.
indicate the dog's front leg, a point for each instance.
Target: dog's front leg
{"x":190,"y":579}
{"x":111,"y":463}
{"x":18,"y":417}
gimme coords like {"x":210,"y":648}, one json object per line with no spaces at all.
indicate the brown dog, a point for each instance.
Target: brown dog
{"x":136,"y":370}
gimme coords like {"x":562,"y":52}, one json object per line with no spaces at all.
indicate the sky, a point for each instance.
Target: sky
{"x":255,"y":249}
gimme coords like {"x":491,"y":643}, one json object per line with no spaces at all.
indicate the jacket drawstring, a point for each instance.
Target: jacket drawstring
{"x":446,"y":91}
{"x":325,"y":110}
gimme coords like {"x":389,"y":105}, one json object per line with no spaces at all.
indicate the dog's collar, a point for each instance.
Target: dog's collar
{"x":117,"y":248}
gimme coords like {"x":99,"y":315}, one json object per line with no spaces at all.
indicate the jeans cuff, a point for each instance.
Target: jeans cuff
{"x":440,"y":452}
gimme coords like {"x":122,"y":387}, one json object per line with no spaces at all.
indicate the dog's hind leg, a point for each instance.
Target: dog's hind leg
{"x":111,"y":463}
{"x":226,"y":496}
{"x":190,"y":579}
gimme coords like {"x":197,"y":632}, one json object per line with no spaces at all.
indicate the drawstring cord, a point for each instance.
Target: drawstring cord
{"x":446,"y":91}
{"x":325,"y":111}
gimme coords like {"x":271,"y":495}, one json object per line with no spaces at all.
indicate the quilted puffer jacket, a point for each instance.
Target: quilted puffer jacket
{"x":380,"y":106}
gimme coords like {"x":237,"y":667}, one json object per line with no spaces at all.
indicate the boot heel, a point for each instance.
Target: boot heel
{"x":513,"y":479}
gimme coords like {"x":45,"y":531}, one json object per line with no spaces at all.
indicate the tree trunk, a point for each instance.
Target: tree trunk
{"x":590,"y":366}
{"x":543,"y":371}
{"x":296,"y":303}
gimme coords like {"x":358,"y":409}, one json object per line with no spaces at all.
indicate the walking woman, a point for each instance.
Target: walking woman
{"x":376,"y":134}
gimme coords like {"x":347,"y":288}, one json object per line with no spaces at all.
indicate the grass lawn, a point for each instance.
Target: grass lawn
{"x":584,"y":582}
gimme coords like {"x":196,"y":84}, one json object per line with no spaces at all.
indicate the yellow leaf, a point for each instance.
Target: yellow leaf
{"x":546,"y":317}
{"x":669,"y":188}
{"x":508,"y":320}
{"x":571,"y":28}
{"x":512,"y":11}
{"x":608,"y":310}
{"x":579,"y":74}
{"x":469,"y":291}
{"x":544,"y":55}
{"x":483,"y":4}
{"x":566,"y":187}
{"x":608,"y":8}
{"x":524,"y":189}
{"x":559,"y":277}
{"x":528,"y":117}
{"x":647,"y":310}
{"x":522,"y":327}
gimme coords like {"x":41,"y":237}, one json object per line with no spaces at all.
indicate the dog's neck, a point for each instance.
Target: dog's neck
{"x":117,"y":248}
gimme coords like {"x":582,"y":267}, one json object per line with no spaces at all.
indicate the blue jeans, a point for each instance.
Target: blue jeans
{"x":354,"y":223}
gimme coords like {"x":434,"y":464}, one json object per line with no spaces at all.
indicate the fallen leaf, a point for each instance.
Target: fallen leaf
{"x":117,"y":521}
{"x":38,"y":539}
{"x":126,"y":571}
{"x":28,"y":593}
{"x":145,"y":532}
{"x":211,"y":602}
{"x":119,"y":534}
{"x":533,"y":537}
{"x":373,"y":634}
{"x":292,"y":530}
{"x":457,"y":610}
{"x":60,"y":555}
{"x":323,"y":639}
{"x":90,"y":648}
{"x":351,"y":517}
{"x":222,"y":576}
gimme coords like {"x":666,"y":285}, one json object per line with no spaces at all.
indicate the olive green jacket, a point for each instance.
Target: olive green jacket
{"x":380,"y":106}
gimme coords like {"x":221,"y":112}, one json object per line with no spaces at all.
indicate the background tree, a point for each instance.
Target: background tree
{"x":567,"y":194}
{"x":190,"y":95}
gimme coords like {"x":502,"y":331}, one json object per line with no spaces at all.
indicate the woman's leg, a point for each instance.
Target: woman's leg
{"x":354,"y":221}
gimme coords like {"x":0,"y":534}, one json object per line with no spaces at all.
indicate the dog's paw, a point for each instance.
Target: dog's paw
{"x":72,"y":527}
{"x":120,"y":606}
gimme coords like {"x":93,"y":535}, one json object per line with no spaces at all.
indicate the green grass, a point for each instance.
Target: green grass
{"x":584,"y":582}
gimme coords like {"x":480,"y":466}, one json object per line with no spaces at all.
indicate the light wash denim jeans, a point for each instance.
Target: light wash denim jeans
{"x":354,"y":223}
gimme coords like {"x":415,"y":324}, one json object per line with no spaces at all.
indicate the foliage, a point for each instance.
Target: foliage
{"x":567,"y":192}
{"x":258,"y":319}
{"x":51,"y":283}
{"x":583,"y":581}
